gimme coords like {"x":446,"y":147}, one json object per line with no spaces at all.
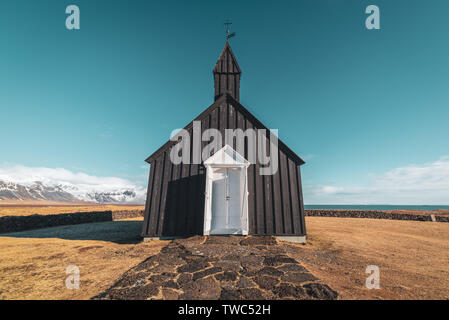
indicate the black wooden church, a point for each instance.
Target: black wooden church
{"x":224,"y":194}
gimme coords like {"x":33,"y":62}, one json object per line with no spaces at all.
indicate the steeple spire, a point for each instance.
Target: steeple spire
{"x":227,"y":74}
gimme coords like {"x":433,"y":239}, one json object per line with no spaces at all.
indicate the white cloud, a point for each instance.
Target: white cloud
{"x":77,"y":183}
{"x":427,"y":183}
{"x":330,"y":189}
{"x":308,"y":157}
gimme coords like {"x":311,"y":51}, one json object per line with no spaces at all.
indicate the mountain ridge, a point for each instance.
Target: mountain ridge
{"x":67,"y":192}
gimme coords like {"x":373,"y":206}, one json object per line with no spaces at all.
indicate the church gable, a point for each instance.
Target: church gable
{"x":227,"y":113}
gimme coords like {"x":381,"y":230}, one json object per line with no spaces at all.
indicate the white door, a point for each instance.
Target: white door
{"x":226,"y":201}
{"x":219,"y":203}
{"x":234,"y":199}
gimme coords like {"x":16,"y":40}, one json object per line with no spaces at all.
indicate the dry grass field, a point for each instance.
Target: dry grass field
{"x":33,"y":263}
{"x":55,"y":208}
{"x":413,"y":257}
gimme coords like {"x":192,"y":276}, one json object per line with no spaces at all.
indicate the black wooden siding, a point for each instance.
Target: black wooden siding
{"x":227,"y":74}
{"x":175,"y":200}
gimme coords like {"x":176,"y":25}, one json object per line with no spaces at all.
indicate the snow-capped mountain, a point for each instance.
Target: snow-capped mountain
{"x":59,"y":184}
{"x":66,"y":192}
{"x":36,"y":191}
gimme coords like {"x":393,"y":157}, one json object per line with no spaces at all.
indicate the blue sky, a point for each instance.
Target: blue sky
{"x":367,"y":109}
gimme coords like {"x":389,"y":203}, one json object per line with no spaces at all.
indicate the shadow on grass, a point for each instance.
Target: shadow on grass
{"x":122,"y":232}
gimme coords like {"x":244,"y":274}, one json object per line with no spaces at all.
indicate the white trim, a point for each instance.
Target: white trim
{"x":227,"y":158}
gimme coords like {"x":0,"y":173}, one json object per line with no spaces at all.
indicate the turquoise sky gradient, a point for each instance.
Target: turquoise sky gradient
{"x":356,"y":104}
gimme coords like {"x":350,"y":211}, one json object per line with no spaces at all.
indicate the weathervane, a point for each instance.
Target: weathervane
{"x":228,"y":30}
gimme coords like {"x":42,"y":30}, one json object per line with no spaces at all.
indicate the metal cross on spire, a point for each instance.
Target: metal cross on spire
{"x":228,"y":30}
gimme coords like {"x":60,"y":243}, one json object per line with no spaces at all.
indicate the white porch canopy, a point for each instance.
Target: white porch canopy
{"x":226,"y":201}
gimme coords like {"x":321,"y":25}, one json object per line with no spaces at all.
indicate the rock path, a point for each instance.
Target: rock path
{"x":219,"y":267}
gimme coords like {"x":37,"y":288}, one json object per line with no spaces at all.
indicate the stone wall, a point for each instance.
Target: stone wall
{"x":372,"y":215}
{"x":126,"y":214}
{"x":37,"y":221}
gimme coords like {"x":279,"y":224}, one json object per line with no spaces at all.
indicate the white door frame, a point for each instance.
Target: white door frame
{"x":226,"y":158}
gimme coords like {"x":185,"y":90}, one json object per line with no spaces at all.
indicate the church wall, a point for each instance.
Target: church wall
{"x":175,"y":200}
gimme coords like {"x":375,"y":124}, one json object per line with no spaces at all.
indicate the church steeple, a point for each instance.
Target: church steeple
{"x":227,"y":74}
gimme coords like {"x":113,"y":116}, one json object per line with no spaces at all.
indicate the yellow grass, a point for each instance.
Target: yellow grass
{"x":58,"y":208}
{"x":413,"y":257}
{"x":35,"y":268}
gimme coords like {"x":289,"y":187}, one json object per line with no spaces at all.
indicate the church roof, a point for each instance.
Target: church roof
{"x":227,"y":98}
{"x":227,"y":63}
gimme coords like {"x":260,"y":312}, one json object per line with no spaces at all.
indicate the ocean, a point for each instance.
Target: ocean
{"x":383,"y":207}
